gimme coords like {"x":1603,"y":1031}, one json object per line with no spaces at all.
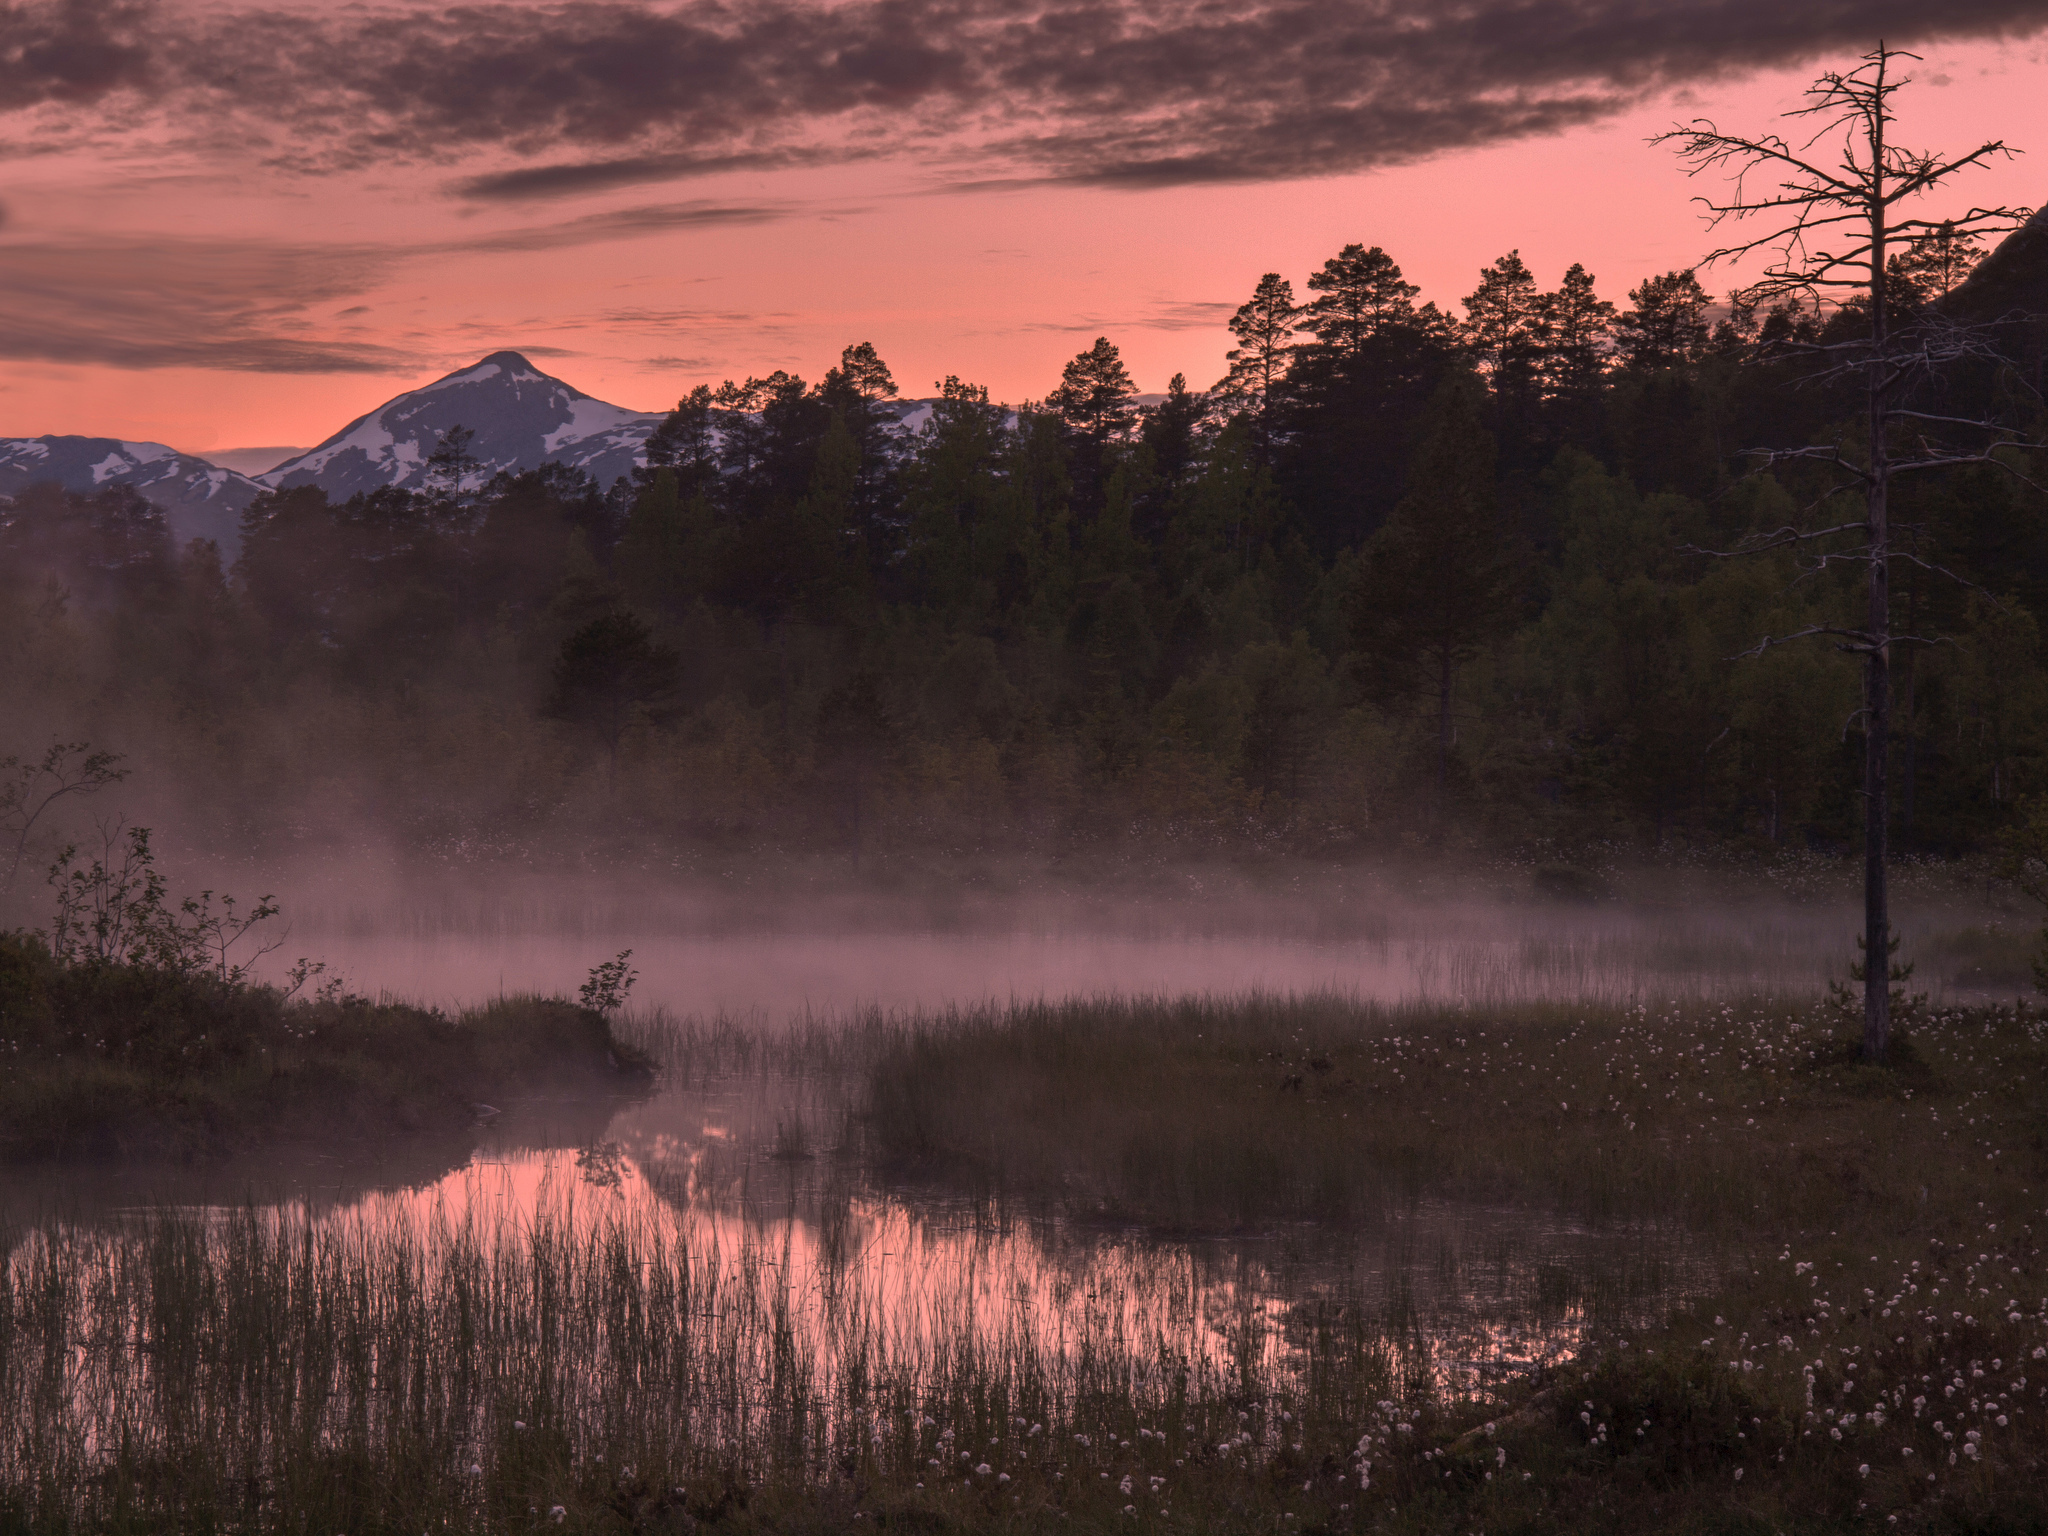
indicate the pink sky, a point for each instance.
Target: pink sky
{"x":138,"y":228}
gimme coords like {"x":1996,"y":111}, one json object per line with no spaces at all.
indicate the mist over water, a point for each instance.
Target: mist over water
{"x":771,"y":957}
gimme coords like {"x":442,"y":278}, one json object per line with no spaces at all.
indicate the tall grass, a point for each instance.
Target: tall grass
{"x":410,"y":1366}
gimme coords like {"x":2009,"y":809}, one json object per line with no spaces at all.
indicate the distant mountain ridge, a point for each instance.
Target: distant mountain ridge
{"x":199,"y":500}
{"x":522,"y":418}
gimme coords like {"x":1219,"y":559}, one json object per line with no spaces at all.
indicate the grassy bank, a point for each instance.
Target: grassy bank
{"x":138,"y":1061}
{"x":1219,"y":1114}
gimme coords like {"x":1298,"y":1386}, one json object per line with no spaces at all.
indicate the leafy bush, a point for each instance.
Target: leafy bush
{"x":136,"y":1027}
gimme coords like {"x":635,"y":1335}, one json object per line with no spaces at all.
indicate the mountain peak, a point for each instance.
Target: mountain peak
{"x":521,"y":418}
{"x":511,"y":363}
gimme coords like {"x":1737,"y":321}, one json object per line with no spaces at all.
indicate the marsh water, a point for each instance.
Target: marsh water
{"x":754,"y":1176}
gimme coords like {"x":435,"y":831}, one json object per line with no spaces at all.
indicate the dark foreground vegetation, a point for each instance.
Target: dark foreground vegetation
{"x":125,"y":1061}
{"x":1860,"y":1354}
{"x":134,"y":1027}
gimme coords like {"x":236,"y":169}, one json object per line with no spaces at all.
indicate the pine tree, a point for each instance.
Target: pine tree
{"x":862,"y":373}
{"x":1094,"y":395}
{"x":1361,"y":294}
{"x":1577,"y":326}
{"x":607,"y":672}
{"x":1505,"y":324}
{"x":684,"y":444}
{"x":1934,"y":264}
{"x":654,"y":558}
{"x":1438,"y":582}
{"x":851,"y":392}
{"x":1668,"y":326}
{"x":1096,"y":413}
{"x":1171,"y":432}
{"x":1263,"y":326}
{"x":451,"y":467}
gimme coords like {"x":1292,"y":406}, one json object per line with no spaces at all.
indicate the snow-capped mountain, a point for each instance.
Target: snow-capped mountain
{"x":199,"y":500}
{"x":522,"y":419}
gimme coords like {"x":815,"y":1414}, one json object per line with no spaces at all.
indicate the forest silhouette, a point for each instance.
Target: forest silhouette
{"x":1401,"y":577}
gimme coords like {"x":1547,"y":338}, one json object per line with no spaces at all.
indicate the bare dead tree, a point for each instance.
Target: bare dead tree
{"x":1830,"y":209}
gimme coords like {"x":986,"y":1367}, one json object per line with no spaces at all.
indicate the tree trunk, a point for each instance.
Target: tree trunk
{"x":1877,"y":681}
{"x":1443,"y":733}
{"x":1877,"y":927}
{"x":1909,"y":755}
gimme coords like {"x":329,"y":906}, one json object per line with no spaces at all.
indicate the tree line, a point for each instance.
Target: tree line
{"x":1400,"y":575}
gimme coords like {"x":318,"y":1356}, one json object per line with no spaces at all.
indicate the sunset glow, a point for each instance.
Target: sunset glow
{"x":219,"y":252}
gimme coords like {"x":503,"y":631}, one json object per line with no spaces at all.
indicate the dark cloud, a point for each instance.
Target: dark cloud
{"x":166,"y":303}
{"x":619,"y":224}
{"x":565,"y":179}
{"x":1108,"y":92}
{"x":247,"y":305}
{"x":75,"y":51}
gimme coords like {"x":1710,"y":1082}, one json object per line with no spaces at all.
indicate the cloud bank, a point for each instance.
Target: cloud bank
{"x":248,"y":305}
{"x":588,"y":96}
{"x":227,"y":304}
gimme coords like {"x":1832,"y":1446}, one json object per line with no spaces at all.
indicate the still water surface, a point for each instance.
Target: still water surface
{"x":1460,"y":1294}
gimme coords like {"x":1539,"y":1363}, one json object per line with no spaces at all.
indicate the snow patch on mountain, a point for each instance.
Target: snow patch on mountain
{"x":588,"y":418}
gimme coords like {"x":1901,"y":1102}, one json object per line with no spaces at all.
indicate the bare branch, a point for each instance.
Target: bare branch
{"x":1906,"y":466}
{"x":1861,"y":637}
{"x":1708,"y":148}
{"x":1941,"y":570}
{"x":1757,"y":544}
{"x":1900,"y":413}
{"x":1774,"y":456}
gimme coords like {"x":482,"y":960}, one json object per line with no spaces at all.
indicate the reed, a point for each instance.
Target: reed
{"x":412,"y":1368}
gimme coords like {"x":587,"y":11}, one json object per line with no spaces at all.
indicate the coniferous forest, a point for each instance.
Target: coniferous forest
{"x":1403,"y":578}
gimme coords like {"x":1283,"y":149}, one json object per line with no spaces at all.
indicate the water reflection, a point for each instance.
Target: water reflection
{"x":781,"y":1267}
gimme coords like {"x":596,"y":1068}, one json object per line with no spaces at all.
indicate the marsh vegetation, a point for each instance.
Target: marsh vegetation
{"x":1701,"y":1266}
